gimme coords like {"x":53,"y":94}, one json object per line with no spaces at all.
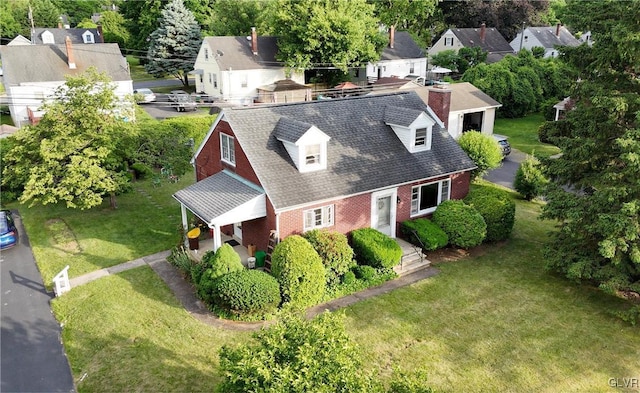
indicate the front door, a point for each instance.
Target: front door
{"x":237,"y":230}
{"x":383,"y":212}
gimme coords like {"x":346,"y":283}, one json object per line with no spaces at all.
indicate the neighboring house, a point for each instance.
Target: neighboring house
{"x":402,"y":58}
{"x":562,"y":107}
{"x":470,"y":108}
{"x":547,"y":37}
{"x":232,"y":69}
{"x":487,"y":38}
{"x":284,"y":91}
{"x":341,"y":164}
{"x":47,"y":35}
{"x":33,"y":72}
{"x":19,"y":40}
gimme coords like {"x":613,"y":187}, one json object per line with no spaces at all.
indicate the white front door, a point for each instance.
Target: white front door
{"x":383,"y":211}
{"x":237,"y":230}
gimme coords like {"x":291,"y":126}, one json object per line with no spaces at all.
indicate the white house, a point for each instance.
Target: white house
{"x":46,"y":35}
{"x":402,"y":58}
{"x":232,"y":68}
{"x":547,"y":37}
{"x":487,"y":38}
{"x":33,"y":72}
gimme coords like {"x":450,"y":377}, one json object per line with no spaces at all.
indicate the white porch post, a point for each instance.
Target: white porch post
{"x":557,"y":114}
{"x":185,"y":224}
{"x":217,"y":239}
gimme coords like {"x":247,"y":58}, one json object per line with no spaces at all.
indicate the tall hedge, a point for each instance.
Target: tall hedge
{"x":247,"y":292}
{"x":374,"y":248}
{"x":299,"y":270}
{"x":431,"y":236}
{"x":334,"y":250}
{"x":498,"y":211}
{"x":462,"y":223}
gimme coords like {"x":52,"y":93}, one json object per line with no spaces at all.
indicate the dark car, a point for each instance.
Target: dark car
{"x":8,"y":232}
{"x":503,"y":141}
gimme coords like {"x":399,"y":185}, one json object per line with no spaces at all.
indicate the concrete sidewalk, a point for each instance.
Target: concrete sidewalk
{"x":186,"y":294}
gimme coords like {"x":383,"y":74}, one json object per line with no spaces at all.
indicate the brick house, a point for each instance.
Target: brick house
{"x":342,"y":164}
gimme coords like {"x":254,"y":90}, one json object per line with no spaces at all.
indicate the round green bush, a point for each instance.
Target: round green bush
{"x":483,"y":149}
{"x":462,"y":223}
{"x":334,"y":250}
{"x":348,"y":278}
{"x":247,"y":292}
{"x":429,"y":235}
{"x":299,"y":270}
{"x":499,"y":214}
{"x":529,"y":180}
{"x":213,"y":265}
{"x":364,"y":272}
{"x":374,"y":248}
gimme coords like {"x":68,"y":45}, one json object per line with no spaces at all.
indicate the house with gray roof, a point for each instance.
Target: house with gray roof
{"x":547,"y":37}
{"x":341,"y":164}
{"x":47,"y":35}
{"x":231,"y":69}
{"x":488,"y":39}
{"x":401,"y":58}
{"x":33,"y":72}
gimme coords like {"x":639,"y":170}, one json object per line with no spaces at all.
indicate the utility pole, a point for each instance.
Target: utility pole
{"x":522,"y":35}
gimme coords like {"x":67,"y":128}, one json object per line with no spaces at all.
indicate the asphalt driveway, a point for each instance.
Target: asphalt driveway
{"x":506,"y":174}
{"x":33,"y":358}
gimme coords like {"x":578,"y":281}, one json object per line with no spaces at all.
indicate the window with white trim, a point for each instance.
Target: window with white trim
{"x":243,"y":80}
{"x":312,"y":154}
{"x":227,"y":149}
{"x":88,"y":38}
{"x":421,"y":137}
{"x":206,"y":54}
{"x":320,"y":217}
{"x":412,"y":68}
{"x":214,"y":80}
{"x":426,"y":197}
{"x":448,"y":41}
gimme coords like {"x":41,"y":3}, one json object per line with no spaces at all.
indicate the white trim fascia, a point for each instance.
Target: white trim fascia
{"x":435,"y":117}
{"x":206,"y":138}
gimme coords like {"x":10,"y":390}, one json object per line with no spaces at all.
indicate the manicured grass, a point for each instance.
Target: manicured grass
{"x":496,"y":321}
{"x":523,"y":134}
{"x":146,"y":221}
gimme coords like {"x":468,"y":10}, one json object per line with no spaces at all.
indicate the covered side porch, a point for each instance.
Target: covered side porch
{"x":220,"y":200}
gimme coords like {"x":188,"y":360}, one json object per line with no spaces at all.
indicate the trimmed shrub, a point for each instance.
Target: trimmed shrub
{"x":529,"y":180}
{"x":299,"y":270}
{"x":483,"y":149}
{"x":429,"y":235}
{"x":349,"y":278}
{"x":461,"y":222}
{"x":334,"y":250}
{"x":364,"y":272}
{"x":225,"y":260}
{"x":247,"y":292}
{"x":374,"y":248}
{"x":499,"y":213}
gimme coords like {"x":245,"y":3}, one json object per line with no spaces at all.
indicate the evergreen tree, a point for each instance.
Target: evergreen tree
{"x":598,"y":237}
{"x":175,"y":44}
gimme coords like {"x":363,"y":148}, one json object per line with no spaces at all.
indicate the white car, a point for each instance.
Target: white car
{"x":144,"y":95}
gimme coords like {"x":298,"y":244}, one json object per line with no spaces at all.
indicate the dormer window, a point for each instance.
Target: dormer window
{"x":413,"y":127}
{"x":47,"y":37}
{"x":306,"y":144}
{"x":87,"y":37}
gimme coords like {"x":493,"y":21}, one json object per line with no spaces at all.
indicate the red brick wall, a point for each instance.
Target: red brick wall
{"x":460,"y":185}
{"x":440,"y":102}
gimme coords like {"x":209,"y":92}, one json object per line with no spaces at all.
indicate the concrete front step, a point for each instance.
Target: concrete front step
{"x":411,"y":263}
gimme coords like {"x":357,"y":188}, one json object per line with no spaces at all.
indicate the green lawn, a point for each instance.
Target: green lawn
{"x":494,"y":322}
{"x":523,"y":134}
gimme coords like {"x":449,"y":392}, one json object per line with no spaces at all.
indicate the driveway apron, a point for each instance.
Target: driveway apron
{"x":33,"y":358}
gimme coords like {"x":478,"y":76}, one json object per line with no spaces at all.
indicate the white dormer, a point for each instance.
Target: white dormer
{"x":88,"y":38}
{"x":413,"y":127}
{"x":47,"y":37}
{"x":305,"y":143}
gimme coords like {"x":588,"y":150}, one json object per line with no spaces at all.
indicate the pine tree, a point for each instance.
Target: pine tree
{"x":175,"y":44}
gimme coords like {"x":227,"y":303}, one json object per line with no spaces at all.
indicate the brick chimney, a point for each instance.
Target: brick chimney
{"x":558,"y":29}
{"x":70,"y":58}
{"x":254,"y":41}
{"x":440,"y":102}
{"x":483,"y":31}
{"x":100,"y":33}
{"x":392,"y":36}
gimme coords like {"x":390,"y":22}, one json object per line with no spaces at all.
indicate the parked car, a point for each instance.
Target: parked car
{"x":503,"y":141}
{"x":182,"y":101}
{"x":144,"y":96}
{"x":8,"y":232}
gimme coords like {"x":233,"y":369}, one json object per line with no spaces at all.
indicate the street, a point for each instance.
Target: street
{"x":33,"y":358}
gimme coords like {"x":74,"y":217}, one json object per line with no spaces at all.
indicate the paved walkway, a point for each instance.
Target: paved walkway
{"x":184,"y":291}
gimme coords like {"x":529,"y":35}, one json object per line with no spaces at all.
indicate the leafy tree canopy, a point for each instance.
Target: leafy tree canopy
{"x":408,"y":15}
{"x":329,"y":33}
{"x":72,"y":154}
{"x":175,"y":44}
{"x":599,"y":219}
{"x":235,"y":17}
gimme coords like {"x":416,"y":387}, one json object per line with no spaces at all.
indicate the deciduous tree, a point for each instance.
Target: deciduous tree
{"x":175,"y":44}
{"x":72,"y":154}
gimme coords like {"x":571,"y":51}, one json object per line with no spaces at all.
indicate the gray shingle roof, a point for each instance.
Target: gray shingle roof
{"x":225,"y":188}
{"x":404,"y":47}
{"x":48,"y":63}
{"x":235,"y":52}
{"x":493,"y":42}
{"x":364,"y":154}
{"x":59,"y":35}
{"x":290,"y":130}
{"x":548,"y":38}
{"x":400,"y":116}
